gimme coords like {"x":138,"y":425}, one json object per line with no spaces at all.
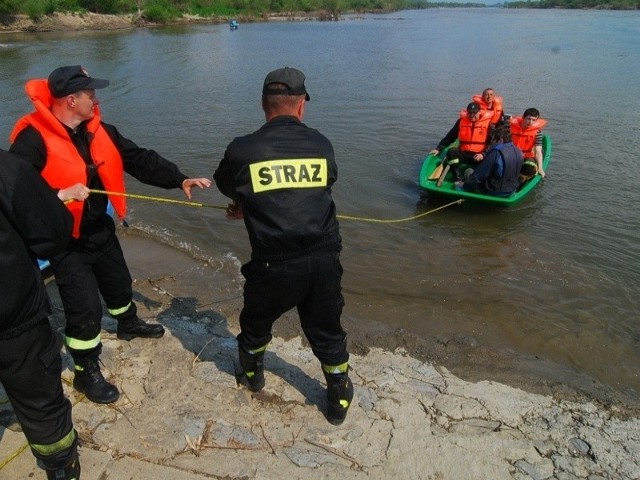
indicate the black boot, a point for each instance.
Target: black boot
{"x":339,"y":396}
{"x":133,"y":327}
{"x":252,"y":375}
{"x":89,"y":380}
{"x":71,"y":471}
{"x":62,"y":465}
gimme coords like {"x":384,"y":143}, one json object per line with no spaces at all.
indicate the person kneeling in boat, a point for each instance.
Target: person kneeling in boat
{"x":526,"y":132}
{"x":498,"y":173}
{"x":472,"y":131}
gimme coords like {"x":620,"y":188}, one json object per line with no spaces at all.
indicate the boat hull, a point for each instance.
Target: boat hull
{"x":448,"y":189}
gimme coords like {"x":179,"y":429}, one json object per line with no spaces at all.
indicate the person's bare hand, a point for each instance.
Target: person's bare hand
{"x":75,"y":192}
{"x":189,"y":183}
{"x":234,"y":211}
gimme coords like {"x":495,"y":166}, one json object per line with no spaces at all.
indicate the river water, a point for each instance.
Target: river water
{"x":556,"y":276}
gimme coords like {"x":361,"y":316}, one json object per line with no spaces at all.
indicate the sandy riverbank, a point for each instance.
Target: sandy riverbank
{"x":181,"y":415}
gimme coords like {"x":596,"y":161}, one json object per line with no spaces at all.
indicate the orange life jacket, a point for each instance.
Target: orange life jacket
{"x":473,"y":136}
{"x":525,"y":138}
{"x":64,"y":165}
{"x":496,"y":107}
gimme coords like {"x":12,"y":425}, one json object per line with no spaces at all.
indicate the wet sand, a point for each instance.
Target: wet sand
{"x":181,"y":414}
{"x":465,"y":356}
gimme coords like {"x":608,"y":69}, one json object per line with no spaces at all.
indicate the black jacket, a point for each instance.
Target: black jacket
{"x":145,"y":165}
{"x":282,"y":176}
{"x":33,"y":223}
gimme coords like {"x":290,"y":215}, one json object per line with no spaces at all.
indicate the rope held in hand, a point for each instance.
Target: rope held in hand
{"x":220,"y":207}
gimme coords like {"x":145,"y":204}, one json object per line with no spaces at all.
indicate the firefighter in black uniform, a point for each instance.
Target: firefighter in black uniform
{"x":67,"y":142}
{"x":33,"y":223}
{"x":280,"y":179}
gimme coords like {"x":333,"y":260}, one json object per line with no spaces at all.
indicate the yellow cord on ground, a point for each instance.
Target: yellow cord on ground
{"x":22,"y":448}
{"x":9,"y":459}
{"x":219,"y":207}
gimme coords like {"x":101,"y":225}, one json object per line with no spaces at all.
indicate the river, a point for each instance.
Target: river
{"x":556,"y":277}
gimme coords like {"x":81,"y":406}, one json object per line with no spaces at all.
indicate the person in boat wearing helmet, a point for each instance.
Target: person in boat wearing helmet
{"x":33,"y":223}
{"x":66,"y":141}
{"x":280,"y":180}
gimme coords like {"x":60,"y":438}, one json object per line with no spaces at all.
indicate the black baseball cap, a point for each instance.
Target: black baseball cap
{"x":473,"y":107}
{"x":71,"y":79}
{"x":291,"y":77}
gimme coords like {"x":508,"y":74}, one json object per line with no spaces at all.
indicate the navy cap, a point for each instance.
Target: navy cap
{"x":71,"y":79}
{"x":473,"y":107}
{"x":292,"y":78}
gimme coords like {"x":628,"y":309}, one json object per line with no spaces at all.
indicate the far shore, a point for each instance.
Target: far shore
{"x":59,"y":22}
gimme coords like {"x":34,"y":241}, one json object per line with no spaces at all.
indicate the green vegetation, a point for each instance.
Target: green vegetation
{"x":579,"y":4}
{"x":167,"y":10}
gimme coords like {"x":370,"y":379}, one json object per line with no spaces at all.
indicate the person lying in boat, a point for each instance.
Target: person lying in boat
{"x":472,"y":131}
{"x":489,"y":101}
{"x":498,"y":173}
{"x":526,"y":132}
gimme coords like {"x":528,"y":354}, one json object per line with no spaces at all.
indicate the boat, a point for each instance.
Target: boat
{"x":233,"y":25}
{"x":428,"y":180}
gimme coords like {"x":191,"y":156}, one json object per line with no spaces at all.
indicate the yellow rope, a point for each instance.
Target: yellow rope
{"x":21,"y":449}
{"x":398,"y":220}
{"x":159,"y":199}
{"x":8,"y":460}
{"x":341,"y":217}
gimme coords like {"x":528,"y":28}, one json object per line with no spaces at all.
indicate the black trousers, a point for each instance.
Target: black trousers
{"x":82,"y":275}
{"x":311,"y":284}
{"x":463,"y":155}
{"x":30,"y":369}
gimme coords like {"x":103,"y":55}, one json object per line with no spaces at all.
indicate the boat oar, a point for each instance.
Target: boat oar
{"x":436,"y":172}
{"x":445,"y":170}
{"x":453,"y":161}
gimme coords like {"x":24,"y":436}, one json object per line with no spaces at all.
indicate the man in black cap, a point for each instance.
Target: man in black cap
{"x":472,"y":131}
{"x":66,"y":141}
{"x":33,"y":223}
{"x":280,"y":179}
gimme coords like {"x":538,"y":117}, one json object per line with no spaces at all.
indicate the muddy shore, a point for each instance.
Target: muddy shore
{"x":182,"y":416}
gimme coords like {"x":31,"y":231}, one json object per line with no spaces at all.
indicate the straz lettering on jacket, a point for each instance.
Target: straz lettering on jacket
{"x":288,"y":173}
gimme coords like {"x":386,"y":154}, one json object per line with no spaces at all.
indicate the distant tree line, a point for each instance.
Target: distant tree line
{"x":577,"y":4}
{"x":205,"y":8}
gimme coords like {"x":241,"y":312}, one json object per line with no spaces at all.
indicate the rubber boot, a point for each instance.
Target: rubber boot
{"x":71,"y":471}
{"x":88,"y":379}
{"x":252,"y":375}
{"x":339,"y":396}
{"x":133,"y":327}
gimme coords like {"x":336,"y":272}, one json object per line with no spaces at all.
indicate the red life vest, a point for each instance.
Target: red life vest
{"x":525,"y":138}
{"x":496,"y":107}
{"x":64,"y":165}
{"x":473,"y":136}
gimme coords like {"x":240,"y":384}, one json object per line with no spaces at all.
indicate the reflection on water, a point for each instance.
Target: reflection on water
{"x":555,"y":276}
